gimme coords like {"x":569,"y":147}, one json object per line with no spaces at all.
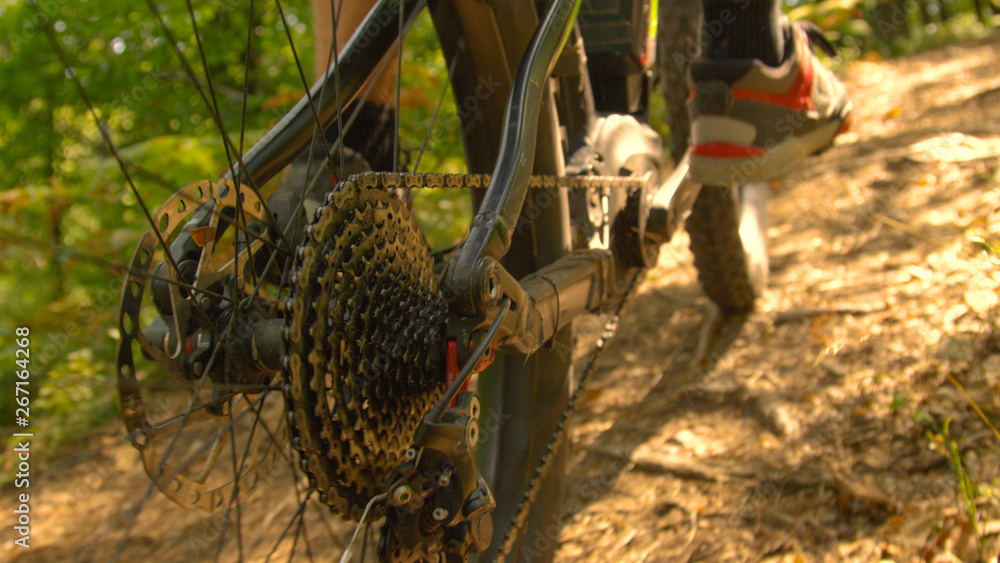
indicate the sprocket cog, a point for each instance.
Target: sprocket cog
{"x":365,"y":340}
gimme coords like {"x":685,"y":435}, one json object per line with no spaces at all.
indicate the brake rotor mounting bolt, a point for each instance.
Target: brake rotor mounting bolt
{"x":439,"y":514}
{"x":445,"y":478}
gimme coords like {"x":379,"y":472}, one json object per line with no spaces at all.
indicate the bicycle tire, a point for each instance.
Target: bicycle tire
{"x":727,"y":225}
{"x":729,"y":243}
{"x":677,"y":46}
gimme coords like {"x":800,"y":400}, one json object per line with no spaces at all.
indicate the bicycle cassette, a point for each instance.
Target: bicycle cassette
{"x":364,"y":342}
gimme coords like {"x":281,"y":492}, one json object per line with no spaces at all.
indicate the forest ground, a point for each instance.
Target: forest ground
{"x":826,"y":426}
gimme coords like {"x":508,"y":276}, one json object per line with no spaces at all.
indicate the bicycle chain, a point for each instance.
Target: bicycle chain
{"x":348,"y":445}
{"x":514,"y":529}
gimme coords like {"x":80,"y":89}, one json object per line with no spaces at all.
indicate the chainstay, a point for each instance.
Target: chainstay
{"x":516,"y":526}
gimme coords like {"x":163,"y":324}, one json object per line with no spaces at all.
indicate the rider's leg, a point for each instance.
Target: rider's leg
{"x":368,"y":144}
{"x":750,"y":29}
{"x":762,"y":102}
{"x":348,"y":17}
{"x":371,"y":135}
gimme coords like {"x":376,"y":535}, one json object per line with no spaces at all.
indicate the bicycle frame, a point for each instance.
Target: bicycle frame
{"x":556,"y":286}
{"x":577,"y":283}
{"x":474,"y":280}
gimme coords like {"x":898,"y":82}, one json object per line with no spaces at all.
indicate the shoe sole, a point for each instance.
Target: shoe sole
{"x":765,"y":167}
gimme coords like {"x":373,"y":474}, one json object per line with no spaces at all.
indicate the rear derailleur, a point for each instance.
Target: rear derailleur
{"x":438,"y":505}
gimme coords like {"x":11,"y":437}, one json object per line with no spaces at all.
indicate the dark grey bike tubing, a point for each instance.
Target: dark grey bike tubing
{"x":376,"y":35}
{"x":493,"y":226}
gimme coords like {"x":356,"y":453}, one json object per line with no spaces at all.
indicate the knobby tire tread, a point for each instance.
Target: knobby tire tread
{"x":724,"y":269}
{"x":722,"y":264}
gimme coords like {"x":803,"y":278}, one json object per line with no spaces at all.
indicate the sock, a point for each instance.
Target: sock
{"x":743,"y":29}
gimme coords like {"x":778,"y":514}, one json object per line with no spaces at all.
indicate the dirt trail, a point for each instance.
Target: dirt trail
{"x":800,"y":433}
{"x":803,"y":432}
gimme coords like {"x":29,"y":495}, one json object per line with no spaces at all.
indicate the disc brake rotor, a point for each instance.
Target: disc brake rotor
{"x":364,"y":341}
{"x":197,"y":436}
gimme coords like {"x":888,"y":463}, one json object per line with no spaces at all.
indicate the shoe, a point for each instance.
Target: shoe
{"x":754,"y":123}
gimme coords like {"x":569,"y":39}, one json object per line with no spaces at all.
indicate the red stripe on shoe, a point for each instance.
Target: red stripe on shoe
{"x":799,"y":95}
{"x":722,"y":149}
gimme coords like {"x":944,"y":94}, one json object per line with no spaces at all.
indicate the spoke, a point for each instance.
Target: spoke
{"x":215,"y":115}
{"x":186,"y":416}
{"x":437,"y":109}
{"x":243,"y":116}
{"x":120,"y":546}
{"x":373,"y":79}
{"x":214,"y":107}
{"x":399,"y":83}
{"x":303,"y":500}
{"x":235,"y":496}
{"x":243,"y":129}
{"x":240,"y":212}
{"x":274,"y":439}
{"x":317,"y":127}
{"x":246,"y":77}
{"x":104,"y":263}
{"x":61,"y":54}
{"x":193,"y":456}
{"x":300,"y":529}
{"x":297,"y":516}
{"x":338,"y":144}
{"x":302,"y":75}
{"x":331,"y":58}
{"x":322,"y":511}
{"x":335,"y":56}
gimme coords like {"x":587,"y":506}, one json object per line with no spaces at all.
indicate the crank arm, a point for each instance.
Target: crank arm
{"x":672,"y":202}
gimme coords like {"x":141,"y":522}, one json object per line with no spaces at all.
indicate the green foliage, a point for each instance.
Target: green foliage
{"x":899,"y":399}
{"x":968,"y":490}
{"x":894,"y":27}
{"x":68,"y":215}
{"x":443,"y":214}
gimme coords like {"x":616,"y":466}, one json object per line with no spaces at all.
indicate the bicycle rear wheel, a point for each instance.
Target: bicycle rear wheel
{"x":251,"y":453}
